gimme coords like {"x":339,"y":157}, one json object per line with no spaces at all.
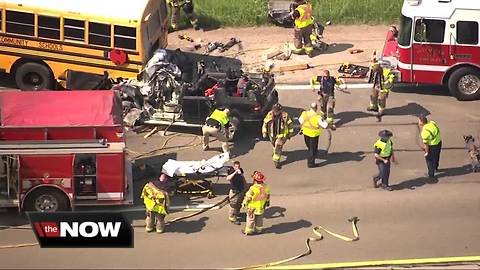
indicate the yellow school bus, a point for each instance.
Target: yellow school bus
{"x":42,"y":40}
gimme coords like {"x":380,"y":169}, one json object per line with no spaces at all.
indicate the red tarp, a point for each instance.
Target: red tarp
{"x":60,"y":108}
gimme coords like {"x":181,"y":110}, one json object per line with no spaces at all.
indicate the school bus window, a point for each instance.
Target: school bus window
{"x":99,"y":34}
{"x":48,"y":27}
{"x":20,"y":23}
{"x":74,"y":29}
{"x":1,"y":20}
{"x":467,"y":32}
{"x":125,"y":37}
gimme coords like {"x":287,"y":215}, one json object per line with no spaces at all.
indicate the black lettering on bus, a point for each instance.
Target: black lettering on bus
{"x":15,"y":41}
{"x":50,"y":46}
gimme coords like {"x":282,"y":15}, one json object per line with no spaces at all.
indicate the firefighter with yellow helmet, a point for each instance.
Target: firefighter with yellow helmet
{"x":277,"y":125}
{"x":256,"y":200}
{"x":383,"y":80}
{"x":156,"y":202}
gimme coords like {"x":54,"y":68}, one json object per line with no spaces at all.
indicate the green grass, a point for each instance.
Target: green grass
{"x":218,"y":13}
{"x":357,"y":11}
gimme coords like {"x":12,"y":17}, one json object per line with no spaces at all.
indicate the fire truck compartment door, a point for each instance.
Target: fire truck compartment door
{"x":110,"y":177}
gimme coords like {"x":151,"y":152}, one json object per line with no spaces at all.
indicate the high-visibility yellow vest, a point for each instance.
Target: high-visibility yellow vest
{"x":285,"y":125}
{"x":256,"y":197}
{"x":431,"y":133}
{"x":305,"y":18}
{"x":388,"y":80}
{"x":220,"y":116}
{"x":155,"y":199}
{"x":386,"y":148}
{"x":310,"y":126}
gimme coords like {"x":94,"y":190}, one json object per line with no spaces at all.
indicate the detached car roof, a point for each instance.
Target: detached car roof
{"x":60,"y":108}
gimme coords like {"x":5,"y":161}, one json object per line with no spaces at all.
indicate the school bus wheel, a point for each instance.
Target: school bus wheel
{"x":34,"y":76}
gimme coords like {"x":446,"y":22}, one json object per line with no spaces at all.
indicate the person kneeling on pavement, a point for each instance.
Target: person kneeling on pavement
{"x":384,"y":155}
{"x":156,"y":202}
{"x":256,"y":200}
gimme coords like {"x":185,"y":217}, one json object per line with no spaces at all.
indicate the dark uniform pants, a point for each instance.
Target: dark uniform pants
{"x":312,"y":146}
{"x":433,"y":158}
{"x":235,"y":198}
{"x":384,"y":172}
{"x":327,"y":105}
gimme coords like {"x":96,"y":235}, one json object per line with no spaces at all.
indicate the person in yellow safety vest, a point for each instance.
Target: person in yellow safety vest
{"x":432,"y":143}
{"x":216,"y":126}
{"x":303,"y":28}
{"x":277,"y":125}
{"x":187,"y":6}
{"x":312,"y":126}
{"x":326,"y":94}
{"x":156,"y":202}
{"x":256,"y":200}
{"x":383,"y":80}
{"x":383,"y":149}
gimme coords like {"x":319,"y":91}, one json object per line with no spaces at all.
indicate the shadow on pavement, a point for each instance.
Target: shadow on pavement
{"x":287,"y":227}
{"x":421,"y":181}
{"x":11,"y":217}
{"x":412,"y":109}
{"x":334,"y":158}
{"x":274,"y":212}
{"x":187,"y":226}
{"x":430,"y":90}
{"x":337,"y":47}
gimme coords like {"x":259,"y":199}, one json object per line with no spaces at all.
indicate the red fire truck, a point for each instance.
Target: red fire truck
{"x":438,"y":43}
{"x":62,"y":149}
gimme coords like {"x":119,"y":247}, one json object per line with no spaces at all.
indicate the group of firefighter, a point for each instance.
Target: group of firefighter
{"x":278,"y":129}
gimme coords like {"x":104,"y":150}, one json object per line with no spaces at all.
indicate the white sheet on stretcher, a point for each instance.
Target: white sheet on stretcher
{"x":179,"y":168}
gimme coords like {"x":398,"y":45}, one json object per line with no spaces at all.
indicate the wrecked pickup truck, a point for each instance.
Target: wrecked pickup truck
{"x":164,"y":98}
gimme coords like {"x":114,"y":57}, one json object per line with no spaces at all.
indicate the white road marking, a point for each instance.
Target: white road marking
{"x":283,"y":87}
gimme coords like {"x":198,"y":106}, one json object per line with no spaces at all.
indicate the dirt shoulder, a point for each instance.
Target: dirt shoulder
{"x":255,"y":40}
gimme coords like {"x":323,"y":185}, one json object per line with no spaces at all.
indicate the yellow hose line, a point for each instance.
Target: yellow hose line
{"x":19,"y":245}
{"x":443,"y":260}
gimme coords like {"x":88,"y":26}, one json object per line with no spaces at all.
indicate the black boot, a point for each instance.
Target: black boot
{"x":277,"y":164}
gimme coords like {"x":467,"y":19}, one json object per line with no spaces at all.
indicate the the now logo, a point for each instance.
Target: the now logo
{"x":70,"y":229}
{"x":76,"y":229}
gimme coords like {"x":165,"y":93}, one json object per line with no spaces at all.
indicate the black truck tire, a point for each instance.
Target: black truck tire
{"x":34,"y":76}
{"x":464,"y":83}
{"x":46,"y":200}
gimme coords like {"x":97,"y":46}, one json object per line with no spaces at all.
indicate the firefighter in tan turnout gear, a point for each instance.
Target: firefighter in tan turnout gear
{"x":187,"y":6}
{"x":156,"y":201}
{"x":256,"y":200}
{"x":277,"y":125}
{"x":302,"y":15}
{"x":383,"y":80}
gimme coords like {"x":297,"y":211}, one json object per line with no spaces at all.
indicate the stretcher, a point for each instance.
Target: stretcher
{"x":191,"y":177}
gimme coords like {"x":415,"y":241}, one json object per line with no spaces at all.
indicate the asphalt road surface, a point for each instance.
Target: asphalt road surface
{"x":419,"y":219}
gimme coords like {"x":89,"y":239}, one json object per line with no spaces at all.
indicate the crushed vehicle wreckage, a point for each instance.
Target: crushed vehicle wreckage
{"x":170,"y":92}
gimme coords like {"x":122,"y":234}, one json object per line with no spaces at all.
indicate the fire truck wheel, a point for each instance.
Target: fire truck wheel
{"x":46,"y":200}
{"x":464,"y":83}
{"x":33,"y":76}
